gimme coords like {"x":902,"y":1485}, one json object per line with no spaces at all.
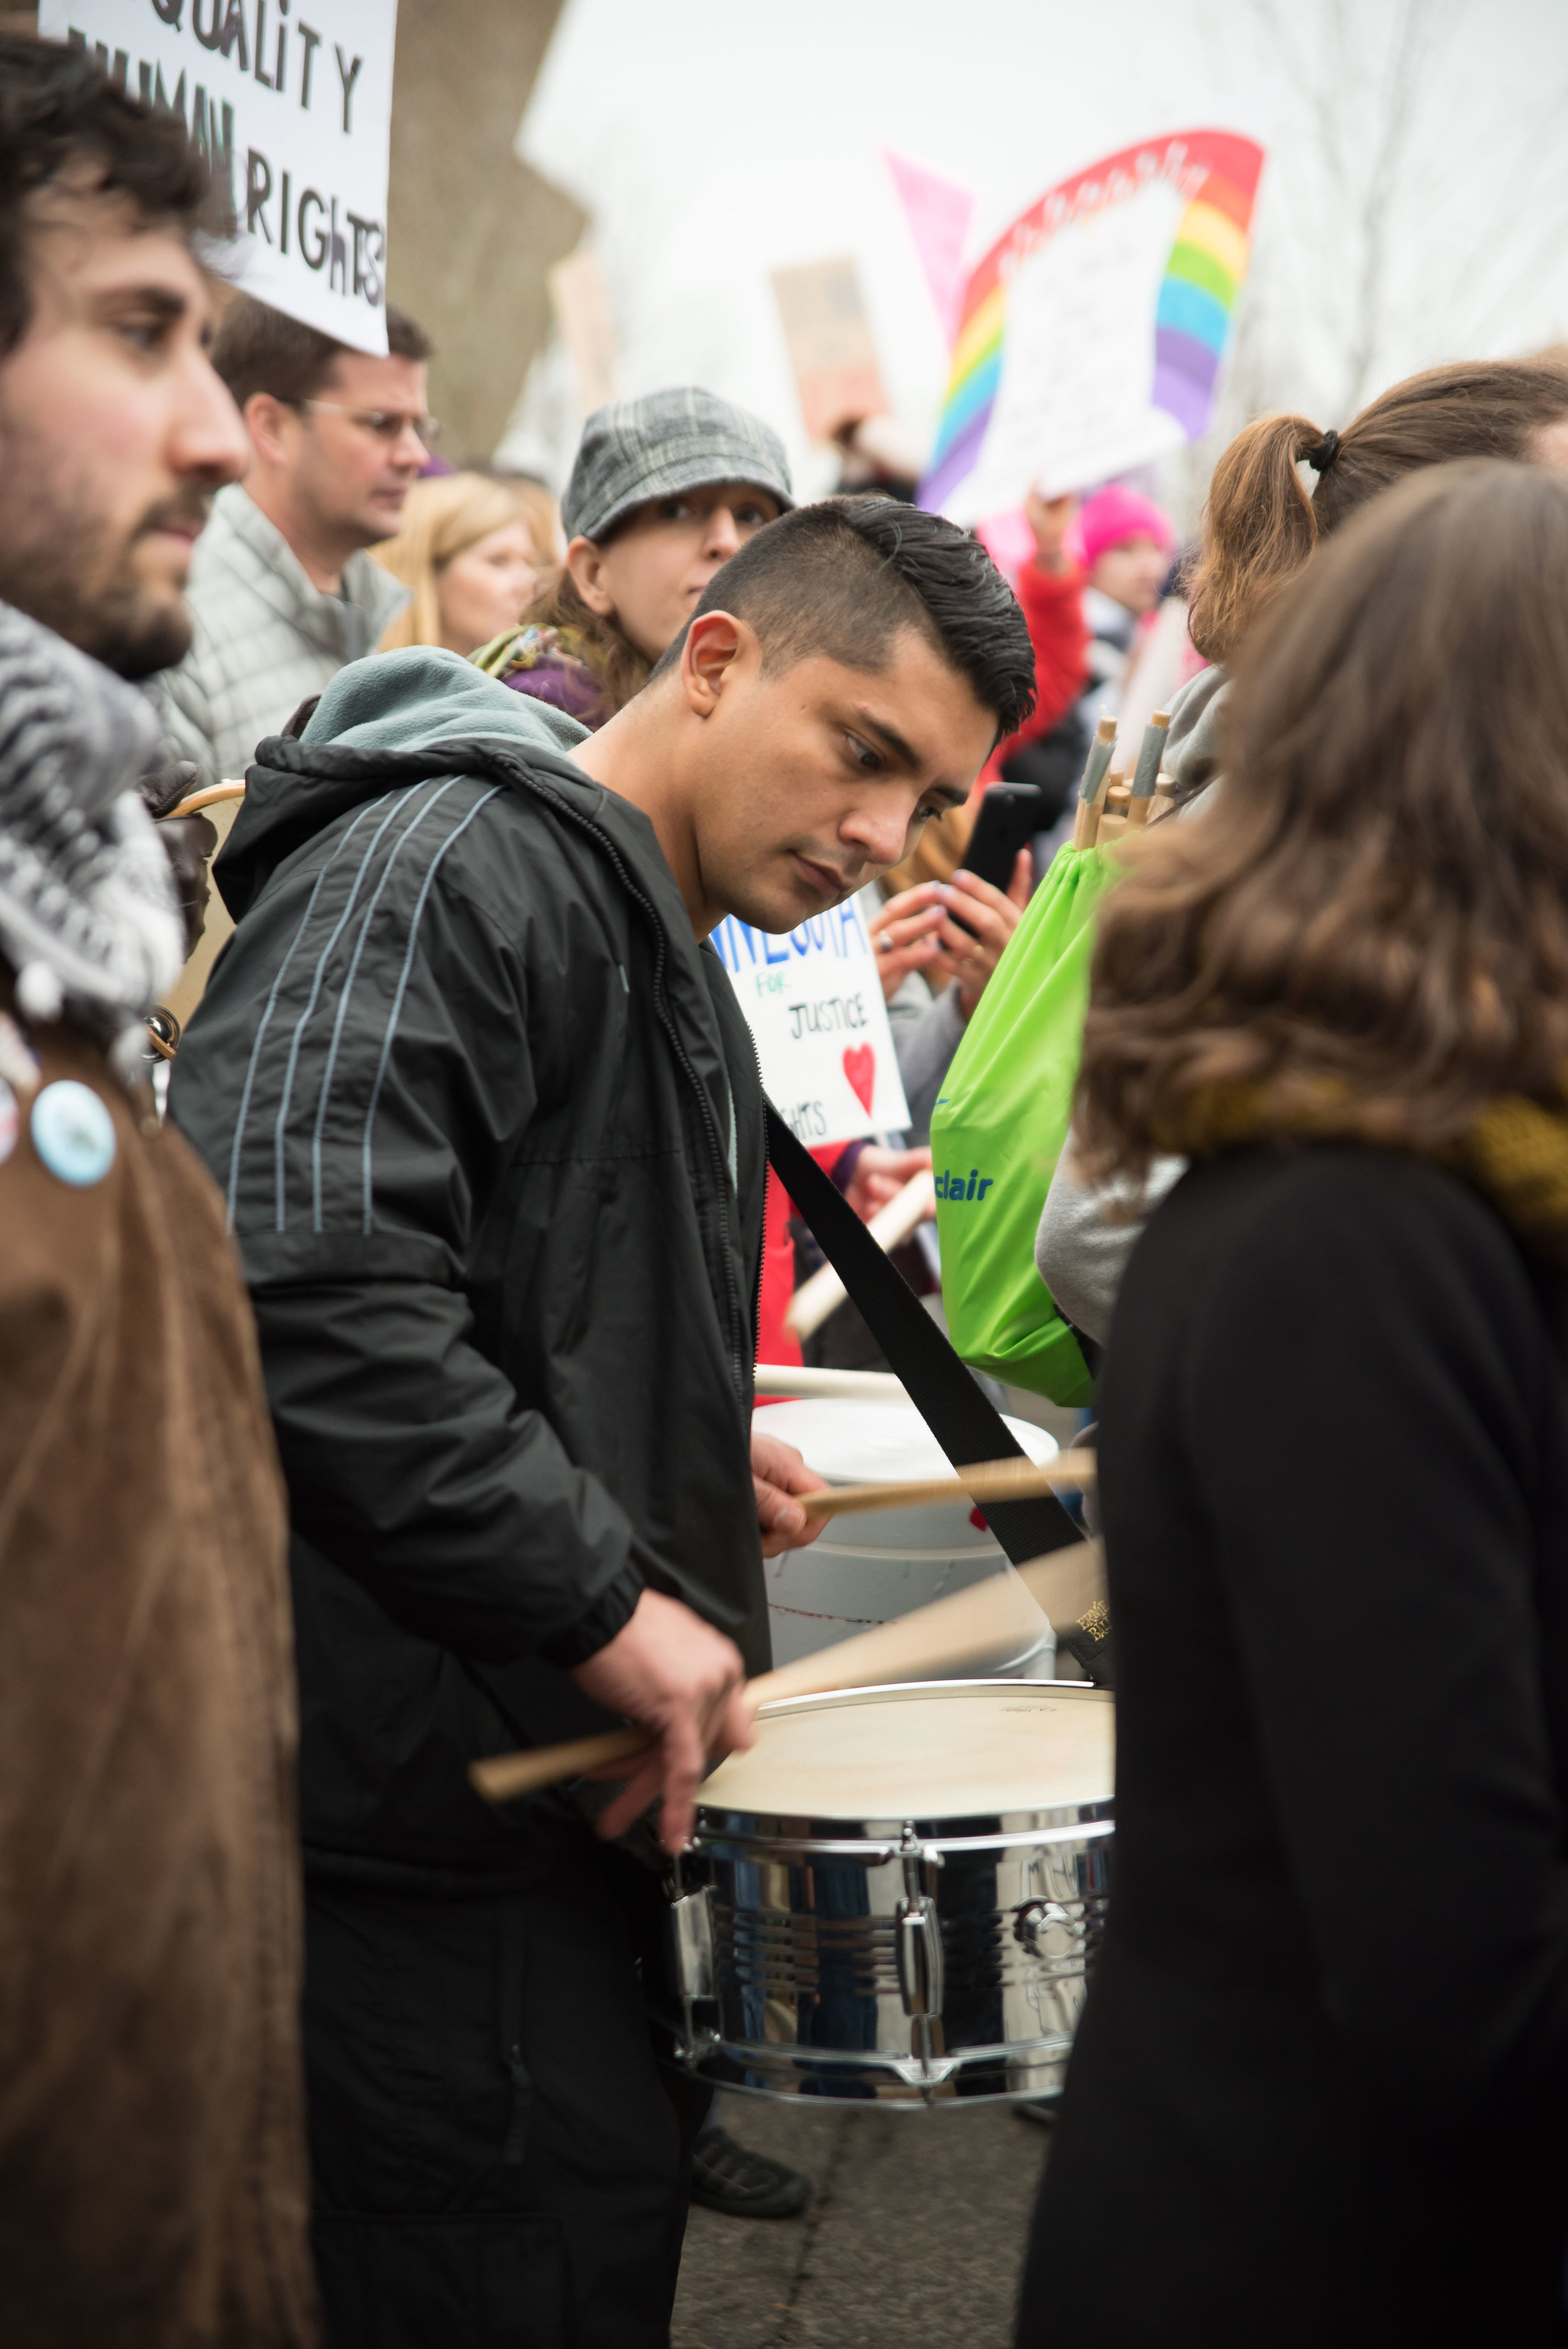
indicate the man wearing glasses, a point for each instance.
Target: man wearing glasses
{"x":280,"y":590}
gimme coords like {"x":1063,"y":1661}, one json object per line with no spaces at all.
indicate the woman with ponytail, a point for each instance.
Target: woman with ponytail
{"x":1284,"y":484}
{"x":1281,"y":487}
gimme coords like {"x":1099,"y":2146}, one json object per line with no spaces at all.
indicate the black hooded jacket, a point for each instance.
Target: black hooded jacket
{"x":489,"y":1126}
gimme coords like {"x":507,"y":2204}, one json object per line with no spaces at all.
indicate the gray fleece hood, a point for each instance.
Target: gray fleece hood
{"x":387,"y":721}
{"x":407,"y":700}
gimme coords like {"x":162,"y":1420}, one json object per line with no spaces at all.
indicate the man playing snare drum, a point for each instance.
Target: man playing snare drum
{"x":488,"y":1118}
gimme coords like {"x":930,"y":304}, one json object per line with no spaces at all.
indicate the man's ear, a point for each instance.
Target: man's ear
{"x":585,"y":564}
{"x":267,"y":420}
{"x":715,"y":642}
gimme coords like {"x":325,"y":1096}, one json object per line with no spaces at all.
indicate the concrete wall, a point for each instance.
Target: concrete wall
{"x":471,"y":231}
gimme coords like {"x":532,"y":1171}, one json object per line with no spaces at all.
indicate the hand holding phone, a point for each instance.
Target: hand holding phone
{"x":1009,"y":816}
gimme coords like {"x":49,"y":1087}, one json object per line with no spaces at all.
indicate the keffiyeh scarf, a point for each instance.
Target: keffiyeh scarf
{"x":89,"y":920}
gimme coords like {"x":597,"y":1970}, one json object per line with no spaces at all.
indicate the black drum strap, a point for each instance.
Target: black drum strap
{"x":964,"y":1419}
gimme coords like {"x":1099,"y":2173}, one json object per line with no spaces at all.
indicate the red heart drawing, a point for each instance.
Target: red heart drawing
{"x":861,"y":1067}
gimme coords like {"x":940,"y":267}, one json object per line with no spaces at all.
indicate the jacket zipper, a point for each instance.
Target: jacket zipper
{"x":768,"y":1177}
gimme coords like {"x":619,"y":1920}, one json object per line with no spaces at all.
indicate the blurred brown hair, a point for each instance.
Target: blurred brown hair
{"x":1367,"y":932}
{"x":1261,"y":521}
{"x":613,"y":658}
{"x":258,"y":348}
{"x":64,"y":123}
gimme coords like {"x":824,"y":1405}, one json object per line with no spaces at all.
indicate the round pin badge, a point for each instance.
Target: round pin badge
{"x":73,"y":1133}
{"x":10,"y":1121}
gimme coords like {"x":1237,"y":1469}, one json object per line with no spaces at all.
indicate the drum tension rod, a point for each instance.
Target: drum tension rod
{"x":918,"y":1940}
{"x":688,"y":1925}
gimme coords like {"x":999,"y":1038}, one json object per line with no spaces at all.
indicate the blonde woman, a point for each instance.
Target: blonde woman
{"x":469,"y":553}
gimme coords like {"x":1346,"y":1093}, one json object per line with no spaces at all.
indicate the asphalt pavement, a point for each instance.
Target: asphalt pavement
{"x":914,"y":2232}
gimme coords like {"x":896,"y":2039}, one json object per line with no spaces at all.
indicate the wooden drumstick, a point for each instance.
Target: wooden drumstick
{"x":213,"y":796}
{"x":890,"y":1228}
{"x":984,"y":1480}
{"x":1086,"y":824}
{"x":964,"y":1629}
{"x":1147,"y":778}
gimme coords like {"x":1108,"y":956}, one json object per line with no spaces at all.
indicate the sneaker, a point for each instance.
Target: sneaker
{"x":744,"y":2184}
{"x":1044,"y":2110}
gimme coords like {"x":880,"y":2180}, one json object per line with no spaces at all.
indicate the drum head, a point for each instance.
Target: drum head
{"x":953,"y":1749}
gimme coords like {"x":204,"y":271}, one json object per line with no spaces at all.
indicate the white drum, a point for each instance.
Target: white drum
{"x":871,"y":1569}
{"x":897,"y":1894}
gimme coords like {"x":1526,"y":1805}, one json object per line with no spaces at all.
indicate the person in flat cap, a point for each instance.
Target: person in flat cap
{"x":663,"y":490}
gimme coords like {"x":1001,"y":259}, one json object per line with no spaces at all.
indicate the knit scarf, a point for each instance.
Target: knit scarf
{"x":1515,"y":1153}
{"x":89,"y":920}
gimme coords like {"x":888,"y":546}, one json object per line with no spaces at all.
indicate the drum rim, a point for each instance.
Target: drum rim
{"x":884,"y":1840}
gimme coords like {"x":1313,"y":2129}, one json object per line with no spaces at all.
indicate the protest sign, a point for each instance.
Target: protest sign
{"x":582,"y":313}
{"x":814,"y":1000}
{"x":293,"y":117}
{"x":1092,"y":332}
{"x":830,"y":346}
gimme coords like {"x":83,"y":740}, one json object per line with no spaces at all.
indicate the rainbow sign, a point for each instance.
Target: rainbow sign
{"x":1092,"y":332}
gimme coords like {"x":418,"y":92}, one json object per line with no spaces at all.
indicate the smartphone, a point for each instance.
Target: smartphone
{"x":1010,"y":815}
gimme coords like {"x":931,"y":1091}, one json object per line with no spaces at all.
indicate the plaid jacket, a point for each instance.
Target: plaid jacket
{"x":266,"y":639}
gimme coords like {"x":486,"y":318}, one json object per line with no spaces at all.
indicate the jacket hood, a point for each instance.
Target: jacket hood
{"x":396,"y":720}
{"x":385,"y":723}
{"x":407,"y":700}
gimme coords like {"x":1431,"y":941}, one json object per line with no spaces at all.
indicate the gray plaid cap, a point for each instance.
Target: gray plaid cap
{"x":684,"y":438}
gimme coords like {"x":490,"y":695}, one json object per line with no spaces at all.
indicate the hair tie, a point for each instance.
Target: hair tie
{"x":1323,"y":456}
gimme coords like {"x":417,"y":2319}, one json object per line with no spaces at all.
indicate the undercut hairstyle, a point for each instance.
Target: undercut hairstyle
{"x":259,"y":348}
{"x":1367,"y":933}
{"x":1262,"y":521}
{"x":62,"y":118}
{"x":848,"y":575}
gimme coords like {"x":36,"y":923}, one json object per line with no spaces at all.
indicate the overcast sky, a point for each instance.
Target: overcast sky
{"x":1414,"y":206}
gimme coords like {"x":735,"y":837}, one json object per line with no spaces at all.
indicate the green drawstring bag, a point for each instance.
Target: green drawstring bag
{"x":998,"y":1131}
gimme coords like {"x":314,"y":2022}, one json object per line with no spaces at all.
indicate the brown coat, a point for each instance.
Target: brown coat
{"x":152,"y":2175}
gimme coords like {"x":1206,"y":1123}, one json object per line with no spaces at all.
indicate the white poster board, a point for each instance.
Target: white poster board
{"x":293,"y":113}
{"x":1091,"y":336}
{"x":1072,"y":403}
{"x":814,"y":1000}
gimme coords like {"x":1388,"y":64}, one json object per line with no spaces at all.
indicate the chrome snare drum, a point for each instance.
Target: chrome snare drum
{"x":898,"y":1893}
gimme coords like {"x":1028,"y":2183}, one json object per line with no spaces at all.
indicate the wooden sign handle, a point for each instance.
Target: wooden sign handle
{"x":215,"y":795}
{"x":890,"y":1228}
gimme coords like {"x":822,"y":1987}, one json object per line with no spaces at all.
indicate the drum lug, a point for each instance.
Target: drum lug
{"x":690,"y":1927}
{"x":919,"y":1951}
{"x":688,"y":1943}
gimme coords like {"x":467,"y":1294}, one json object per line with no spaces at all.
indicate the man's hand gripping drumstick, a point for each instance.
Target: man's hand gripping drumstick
{"x":674,"y":1675}
{"x":685,"y":1682}
{"x":778,"y":1472}
{"x":986,"y":1618}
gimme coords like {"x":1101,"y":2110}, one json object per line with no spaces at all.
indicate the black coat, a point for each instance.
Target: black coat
{"x":1320,"y":2091}
{"x":491,"y":1127}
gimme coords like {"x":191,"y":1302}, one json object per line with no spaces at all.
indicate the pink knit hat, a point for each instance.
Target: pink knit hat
{"x":1112,"y":517}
